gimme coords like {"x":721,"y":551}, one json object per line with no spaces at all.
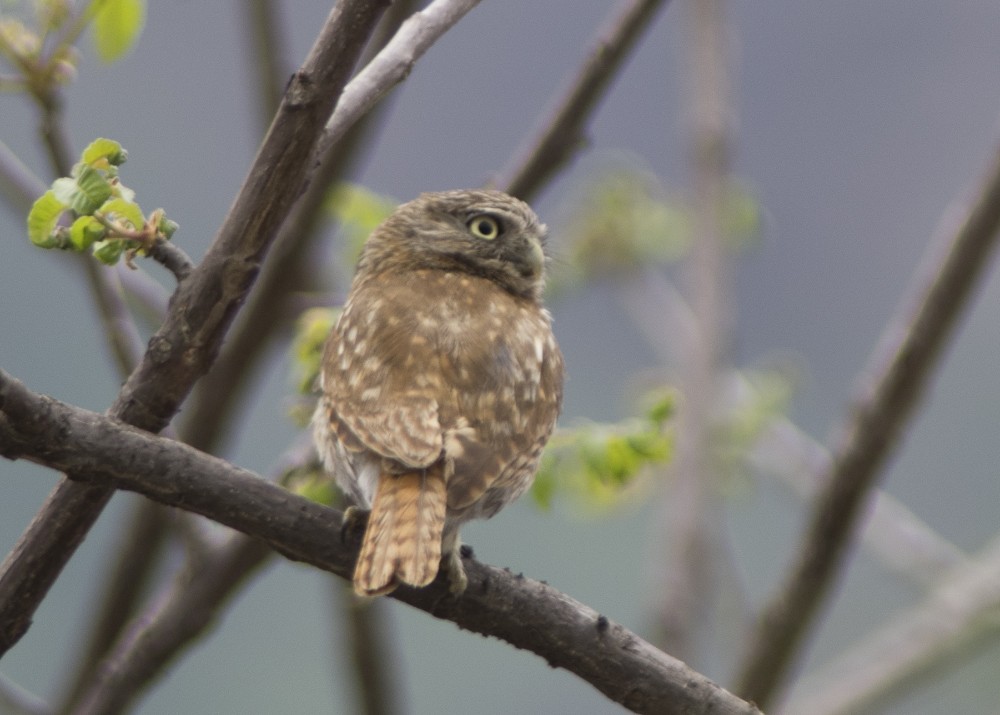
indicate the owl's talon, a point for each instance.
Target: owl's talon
{"x":352,"y":528}
{"x":455,"y":572}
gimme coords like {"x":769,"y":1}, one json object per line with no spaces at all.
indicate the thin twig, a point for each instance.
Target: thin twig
{"x":203,"y":307}
{"x":17,"y":182}
{"x":527,"y":614}
{"x":961,"y":611}
{"x":173,"y":258}
{"x":561,"y":131}
{"x":17,"y":701}
{"x":892,"y":386}
{"x":392,"y":64}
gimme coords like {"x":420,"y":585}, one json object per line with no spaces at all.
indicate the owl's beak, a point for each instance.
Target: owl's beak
{"x":536,"y":257}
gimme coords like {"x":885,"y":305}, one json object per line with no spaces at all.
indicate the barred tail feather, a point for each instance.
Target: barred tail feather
{"x":402,"y":542}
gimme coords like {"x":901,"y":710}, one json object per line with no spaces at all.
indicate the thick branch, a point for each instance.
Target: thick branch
{"x":561,"y":130}
{"x":202,"y":308}
{"x":893,"y":385}
{"x":287,"y":271}
{"x":523,"y":612}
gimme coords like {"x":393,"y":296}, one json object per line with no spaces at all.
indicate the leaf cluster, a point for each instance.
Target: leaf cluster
{"x":107,"y":218}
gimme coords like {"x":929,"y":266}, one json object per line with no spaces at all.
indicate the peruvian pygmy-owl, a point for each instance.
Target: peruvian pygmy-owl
{"x":441,"y":381}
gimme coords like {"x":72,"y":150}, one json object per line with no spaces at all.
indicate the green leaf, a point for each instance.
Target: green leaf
{"x":84,"y":231}
{"x":104,"y":149}
{"x":117,"y":27}
{"x":121,"y":210}
{"x":167,"y":227}
{"x":311,"y":331}
{"x":85,"y":192}
{"x":109,"y":251}
{"x":43,"y":219}
{"x":359,"y":211}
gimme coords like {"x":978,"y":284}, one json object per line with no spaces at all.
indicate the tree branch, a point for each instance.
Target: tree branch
{"x":190,"y":606}
{"x":202,"y":308}
{"x":910,"y":349}
{"x":393,"y":64}
{"x":267,"y":313}
{"x":525,"y":613}
{"x":560,"y":133}
{"x":960,"y":611}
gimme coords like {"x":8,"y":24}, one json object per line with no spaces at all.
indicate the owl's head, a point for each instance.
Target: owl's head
{"x":484,"y":233}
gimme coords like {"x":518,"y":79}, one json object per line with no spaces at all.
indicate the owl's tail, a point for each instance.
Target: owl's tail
{"x":402,"y":542}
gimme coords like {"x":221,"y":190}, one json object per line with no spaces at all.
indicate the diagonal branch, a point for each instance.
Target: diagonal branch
{"x":916,"y":644}
{"x":525,"y":613}
{"x":910,"y":349}
{"x":208,"y":419}
{"x":561,"y":131}
{"x":202,"y":308}
{"x":392,"y":64}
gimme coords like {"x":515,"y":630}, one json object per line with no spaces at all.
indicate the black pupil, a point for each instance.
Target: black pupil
{"x":485,"y":227}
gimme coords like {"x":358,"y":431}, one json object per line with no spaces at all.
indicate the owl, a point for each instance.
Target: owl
{"x":441,"y":381}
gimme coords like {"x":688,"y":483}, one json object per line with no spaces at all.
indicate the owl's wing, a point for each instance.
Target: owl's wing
{"x":380,"y":385}
{"x":408,"y":432}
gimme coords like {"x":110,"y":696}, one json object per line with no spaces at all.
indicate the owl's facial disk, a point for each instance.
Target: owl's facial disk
{"x":480,"y":232}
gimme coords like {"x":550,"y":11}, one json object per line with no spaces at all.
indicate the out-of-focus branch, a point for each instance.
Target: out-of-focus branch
{"x":905,"y":544}
{"x":692,"y":541}
{"x":361,"y":631}
{"x":561,"y":130}
{"x":526,"y":613}
{"x":190,"y":606}
{"x":267,"y":51}
{"x":203,"y":306}
{"x":18,"y":701}
{"x":17,"y":182}
{"x":890,"y":390}
{"x":960,"y":611}
{"x":142,"y":540}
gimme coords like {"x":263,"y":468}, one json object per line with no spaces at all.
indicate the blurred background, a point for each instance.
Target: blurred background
{"x":855,"y":125}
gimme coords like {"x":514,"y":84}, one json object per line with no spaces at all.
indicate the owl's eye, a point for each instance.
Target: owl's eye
{"x":484,"y":226}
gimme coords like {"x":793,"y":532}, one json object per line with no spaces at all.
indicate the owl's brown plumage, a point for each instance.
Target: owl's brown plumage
{"x":441,"y":381}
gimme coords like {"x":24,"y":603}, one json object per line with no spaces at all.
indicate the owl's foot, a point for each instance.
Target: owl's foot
{"x":454,"y":570}
{"x":354,"y":524}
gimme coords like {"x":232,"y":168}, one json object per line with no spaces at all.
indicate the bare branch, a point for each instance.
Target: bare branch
{"x":141,"y":548}
{"x":173,"y":258}
{"x":561,"y":133}
{"x":959,"y":612}
{"x":890,"y":390}
{"x":392,"y":65}
{"x":203,"y":306}
{"x":190,"y":607}
{"x":268,"y":309}
{"x":692,"y":545}
{"x":18,"y":183}
{"x":525,"y":613}
{"x":17,"y":701}
{"x":905,"y":544}
{"x":360,"y":631}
